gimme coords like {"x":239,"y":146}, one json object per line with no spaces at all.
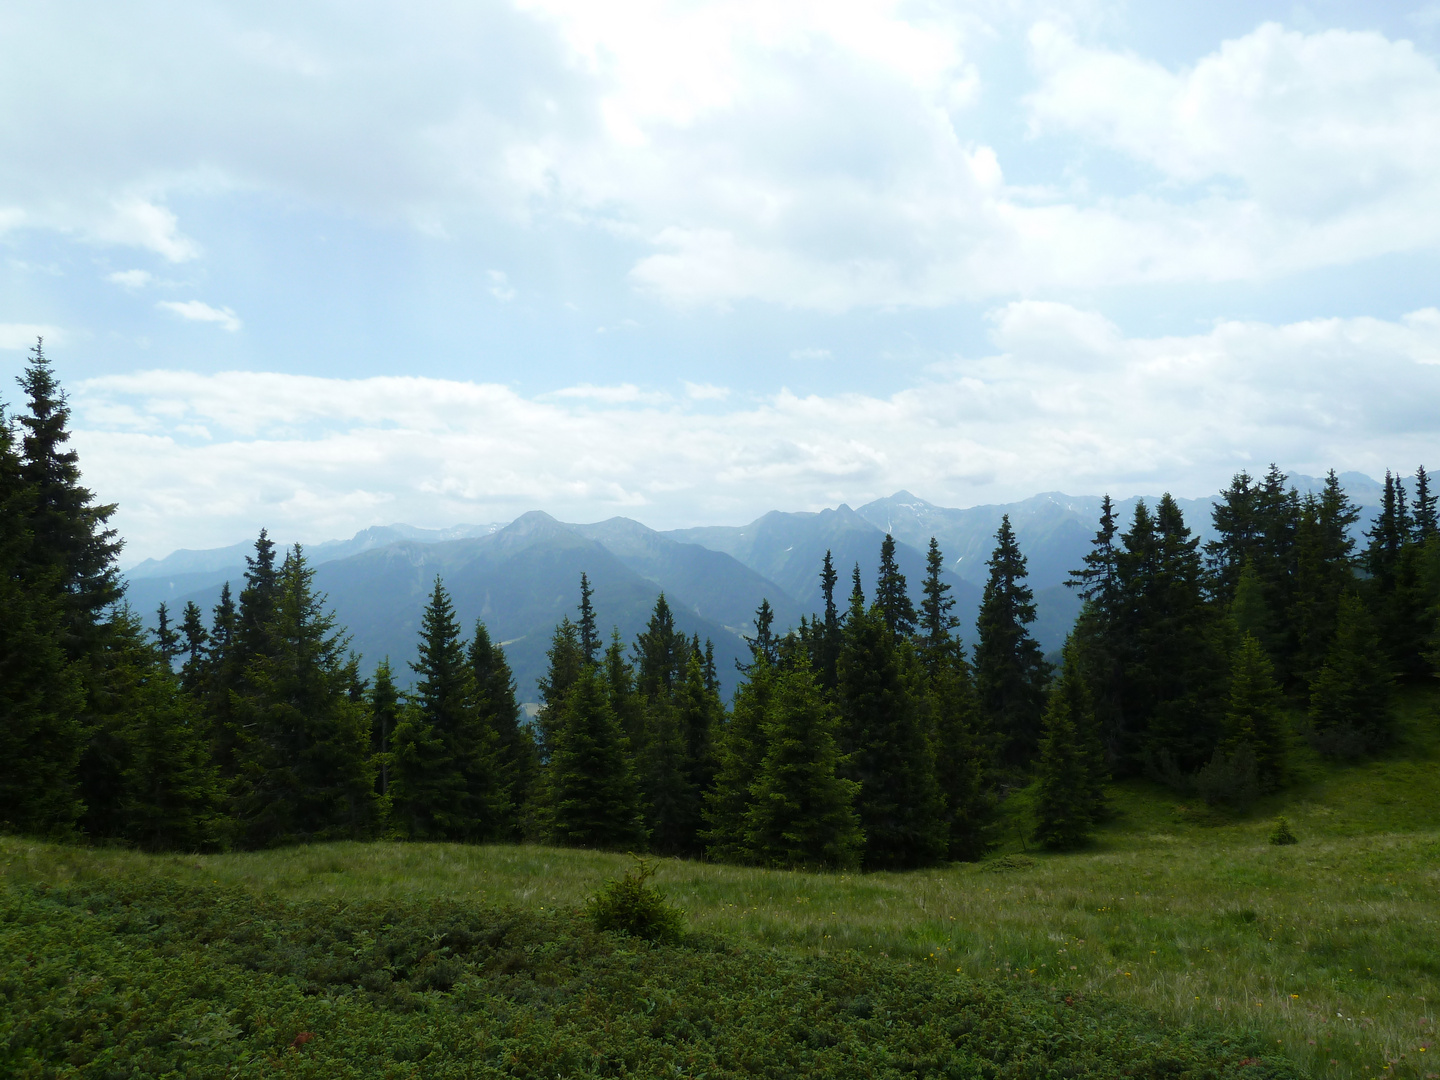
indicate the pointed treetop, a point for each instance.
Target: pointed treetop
{"x":892,"y":592}
{"x":589,"y":637}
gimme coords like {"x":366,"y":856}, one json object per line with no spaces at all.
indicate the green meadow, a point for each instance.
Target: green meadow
{"x":1327,"y":950}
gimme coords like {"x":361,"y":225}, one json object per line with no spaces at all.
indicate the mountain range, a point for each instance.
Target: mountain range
{"x":522,"y":578}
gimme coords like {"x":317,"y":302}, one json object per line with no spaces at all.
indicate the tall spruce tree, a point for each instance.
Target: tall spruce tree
{"x":73,"y":549}
{"x":385,"y":709}
{"x":962,"y":756}
{"x":670,"y":799}
{"x":1174,"y":669}
{"x":566,"y":662}
{"x":41,"y":692}
{"x":1010,"y":672}
{"x":1062,"y":804}
{"x":589,"y":635}
{"x":1098,"y":637}
{"x":700,"y":713}
{"x":889,"y":755}
{"x":194,"y":638}
{"x":169,"y":796}
{"x":937,"y":619}
{"x":892,"y":592}
{"x":167,"y":638}
{"x":739,"y":749}
{"x":311,"y":774}
{"x":1254,"y":717}
{"x":1324,"y":571}
{"x":446,"y":782}
{"x":1423,"y":520}
{"x":764,"y":643}
{"x":801,"y":812}
{"x":1351,"y":695}
{"x":518,"y":758}
{"x":660,"y":653}
{"x":592,"y":799}
{"x":827,"y":633}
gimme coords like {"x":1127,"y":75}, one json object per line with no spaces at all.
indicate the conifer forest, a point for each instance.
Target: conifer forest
{"x":869,"y":736}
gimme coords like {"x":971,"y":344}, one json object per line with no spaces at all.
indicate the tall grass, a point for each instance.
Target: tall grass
{"x":1331,"y":946}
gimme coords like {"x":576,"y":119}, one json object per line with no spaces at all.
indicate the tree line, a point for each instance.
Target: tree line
{"x":867,"y":736}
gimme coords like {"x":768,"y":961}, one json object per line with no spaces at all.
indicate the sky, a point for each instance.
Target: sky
{"x":318,"y":267}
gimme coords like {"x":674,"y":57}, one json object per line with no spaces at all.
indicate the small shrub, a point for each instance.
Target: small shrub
{"x":630,"y":905}
{"x":1282,"y":834}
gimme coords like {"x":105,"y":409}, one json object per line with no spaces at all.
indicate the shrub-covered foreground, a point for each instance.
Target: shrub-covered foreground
{"x":150,"y":978}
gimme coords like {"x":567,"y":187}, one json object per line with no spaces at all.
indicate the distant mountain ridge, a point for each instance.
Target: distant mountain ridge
{"x":522,"y":578}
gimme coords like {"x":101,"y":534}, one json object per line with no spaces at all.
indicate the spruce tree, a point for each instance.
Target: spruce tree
{"x":1175,"y":674}
{"x":566,"y":662}
{"x":591,"y":795}
{"x":1254,"y":716}
{"x":1010,"y":672}
{"x":827,"y":633}
{"x":739,"y":749}
{"x":1423,"y":520}
{"x":1324,"y":571}
{"x":1062,"y":806}
{"x":888,"y":753}
{"x":167,"y":638}
{"x":449,"y":786}
{"x":961,"y":755}
{"x":764,"y":643}
{"x":41,"y":692}
{"x":518,"y":758}
{"x":589,"y":636}
{"x":670,"y":800}
{"x":385,"y":709}
{"x":660,"y":652}
{"x":168,"y":795}
{"x":801,"y":812}
{"x":700,"y":713}
{"x":628,"y":704}
{"x":1395,"y":590}
{"x":1098,"y":638}
{"x":311,"y":773}
{"x":72,"y":547}
{"x":1352,"y":691}
{"x":195,"y":638}
{"x":892,"y":593}
{"x":937,"y":621}
{"x":1236,"y":521}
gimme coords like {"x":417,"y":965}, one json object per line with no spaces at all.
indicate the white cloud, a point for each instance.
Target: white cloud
{"x":706,"y":391}
{"x":816,"y":155}
{"x":1063,"y":401}
{"x":23,"y":335}
{"x":199,"y":311}
{"x":130,"y":279}
{"x":809,"y":354}
{"x":500,"y":287}
{"x":623,"y":394}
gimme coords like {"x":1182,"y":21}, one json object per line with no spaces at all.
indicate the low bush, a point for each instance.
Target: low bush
{"x":632,"y":906}
{"x":143,"y":978}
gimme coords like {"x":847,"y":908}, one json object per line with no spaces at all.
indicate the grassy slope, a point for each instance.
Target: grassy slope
{"x":1331,"y":947}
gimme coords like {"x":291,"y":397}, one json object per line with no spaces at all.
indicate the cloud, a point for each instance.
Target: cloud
{"x":24,"y":335}
{"x":198,"y":311}
{"x":809,"y":354}
{"x":706,"y":392}
{"x":500,"y":287}
{"x":816,"y":156}
{"x":1063,"y":400}
{"x":130,"y":279}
